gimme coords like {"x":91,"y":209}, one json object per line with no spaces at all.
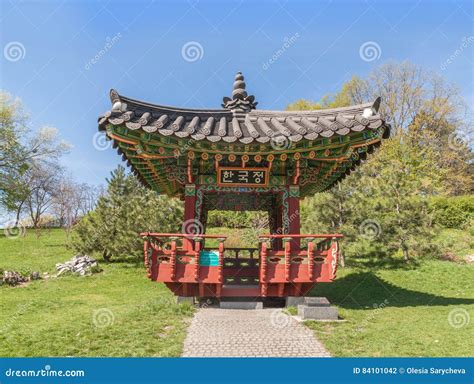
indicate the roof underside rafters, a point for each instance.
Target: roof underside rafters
{"x":160,"y":142}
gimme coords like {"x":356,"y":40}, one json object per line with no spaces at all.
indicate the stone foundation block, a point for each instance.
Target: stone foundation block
{"x":317,"y":313}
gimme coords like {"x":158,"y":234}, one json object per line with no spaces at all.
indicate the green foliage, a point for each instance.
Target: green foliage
{"x":453,"y":212}
{"x":236,"y":219}
{"x":20,"y":152}
{"x":13,"y":162}
{"x":382,"y":207}
{"x":345,"y":97}
{"x":126,"y":209}
{"x":385,"y":207}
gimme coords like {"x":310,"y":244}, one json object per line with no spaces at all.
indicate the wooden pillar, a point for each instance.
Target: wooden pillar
{"x":294,"y":215}
{"x":263,"y":268}
{"x":278,"y":219}
{"x":189,"y":214}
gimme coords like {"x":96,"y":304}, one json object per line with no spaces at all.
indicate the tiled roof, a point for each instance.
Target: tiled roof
{"x":239,"y":121}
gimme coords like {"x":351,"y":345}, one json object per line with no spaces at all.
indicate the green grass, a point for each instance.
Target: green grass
{"x":456,"y":241}
{"x":236,"y":237}
{"x":398,"y":310}
{"x":66,"y":316}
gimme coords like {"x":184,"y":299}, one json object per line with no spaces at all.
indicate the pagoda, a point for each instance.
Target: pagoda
{"x":241,"y":158}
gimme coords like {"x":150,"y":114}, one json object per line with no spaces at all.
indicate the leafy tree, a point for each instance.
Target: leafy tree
{"x":42,"y":181}
{"x":125,"y":210}
{"x":391,"y":190}
{"x":20,"y":150}
{"x":399,"y":180}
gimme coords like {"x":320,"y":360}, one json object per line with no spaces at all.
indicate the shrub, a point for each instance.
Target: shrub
{"x":453,"y":212}
{"x":112,"y":229}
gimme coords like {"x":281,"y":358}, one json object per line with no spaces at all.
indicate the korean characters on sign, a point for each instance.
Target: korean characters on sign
{"x":236,"y":176}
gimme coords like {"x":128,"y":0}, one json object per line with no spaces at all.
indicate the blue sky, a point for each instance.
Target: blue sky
{"x":140,"y":49}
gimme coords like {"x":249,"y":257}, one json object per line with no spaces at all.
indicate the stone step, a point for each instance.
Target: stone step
{"x":233,"y":304}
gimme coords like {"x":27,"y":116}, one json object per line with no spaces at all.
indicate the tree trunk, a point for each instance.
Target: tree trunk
{"x":342,"y":259}
{"x":106,"y":256}
{"x":18,"y":213}
{"x":405,"y":252}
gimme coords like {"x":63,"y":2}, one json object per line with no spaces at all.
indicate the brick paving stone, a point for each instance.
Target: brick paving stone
{"x":249,"y":333}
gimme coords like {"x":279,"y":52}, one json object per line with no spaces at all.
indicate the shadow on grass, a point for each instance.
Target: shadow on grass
{"x":129,"y":262}
{"x":365,"y":290}
{"x":383,"y":263}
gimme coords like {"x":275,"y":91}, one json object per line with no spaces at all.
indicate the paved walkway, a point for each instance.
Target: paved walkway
{"x":249,"y":333}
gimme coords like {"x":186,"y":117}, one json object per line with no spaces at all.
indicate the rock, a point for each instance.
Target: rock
{"x":79,"y":264}
{"x":35,"y":276}
{"x":13,"y":278}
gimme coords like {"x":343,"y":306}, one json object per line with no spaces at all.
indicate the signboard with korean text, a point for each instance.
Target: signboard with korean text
{"x":246,"y":177}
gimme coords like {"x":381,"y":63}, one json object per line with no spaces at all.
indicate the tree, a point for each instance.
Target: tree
{"x":126,"y":209}
{"x":43,"y":181}
{"x":390,"y":191}
{"x":398,"y":180}
{"x":20,"y":150}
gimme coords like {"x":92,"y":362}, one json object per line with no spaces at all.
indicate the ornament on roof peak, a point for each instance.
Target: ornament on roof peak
{"x":240,"y":101}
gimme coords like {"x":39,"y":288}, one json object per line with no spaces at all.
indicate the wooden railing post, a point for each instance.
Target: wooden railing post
{"x":173,"y":257}
{"x":147,"y":258}
{"x":263,"y":267}
{"x":221,"y":258}
{"x":310,"y":258}
{"x":287,"y":241}
{"x":334,"y":256}
{"x":197,"y":253}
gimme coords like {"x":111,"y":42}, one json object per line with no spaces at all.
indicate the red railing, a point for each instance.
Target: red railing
{"x":274,"y":269}
{"x":181,"y":235}
{"x":154,"y":242}
{"x":288,"y":264}
{"x":299,"y":236}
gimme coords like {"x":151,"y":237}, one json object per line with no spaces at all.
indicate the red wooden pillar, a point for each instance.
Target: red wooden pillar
{"x":278,"y":219}
{"x":294,"y":215}
{"x":189,"y":215}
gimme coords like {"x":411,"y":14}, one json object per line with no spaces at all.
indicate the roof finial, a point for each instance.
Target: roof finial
{"x":240,"y":100}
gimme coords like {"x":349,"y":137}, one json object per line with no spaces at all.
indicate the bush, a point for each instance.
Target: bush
{"x":453,"y":212}
{"x":112,"y":229}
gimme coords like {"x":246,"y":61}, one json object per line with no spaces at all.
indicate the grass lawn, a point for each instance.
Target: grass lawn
{"x":401,"y":311}
{"x":118,"y":312}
